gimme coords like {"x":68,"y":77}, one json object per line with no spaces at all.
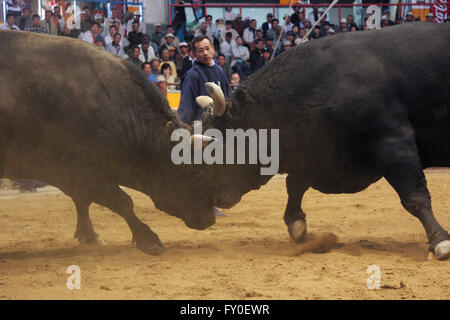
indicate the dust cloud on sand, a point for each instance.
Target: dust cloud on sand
{"x":246,"y":255}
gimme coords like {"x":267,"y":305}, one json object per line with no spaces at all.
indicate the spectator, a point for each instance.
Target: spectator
{"x":187,"y":64}
{"x":314,"y":15}
{"x":58,"y":19}
{"x":398,"y":20}
{"x":256,"y":57}
{"x":351,"y":22}
{"x":89,"y":36}
{"x":203,"y":70}
{"x":301,"y":20}
{"x":222,"y":62}
{"x":135,"y":36}
{"x":115,"y":47}
{"x":250,"y":32}
{"x":301,"y":38}
{"x":100,"y":41}
{"x":259,"y":35}
{"x":384,"y":22}
{"x":172,"y":54}
{"x":179,"y":21}
{"x":229,"y":15}
{"x":166,"y":76}
{"x":135,"y":52}
{"x":110,"y":36}
{"x":295,"y":16}
{"x":307,"y":25}
{"x":35,"y":26}
{"x":147,"y":69}
{"x":226,"y":46}
{"x":288,"y":45}
{"x":157,"y":37}
{"x":165,"y":58}
{"x":147,"y":52}
{"x":316,"y":33}
{"x":343,"y":25}
{"x":100,"y":21}
{"x":50,"y":24}
{"x":180,"y":56}
{"x":409,"y":17}
{"x":9,"y":25}
{"x":154,"y":65}
{"x":25,"y":19}
{"x":266,"y":56}
{"x":176,"y":41}
{"x":267,"y":25}
{"x":110,"y":21}
{"x":287,"y":24}
{"x":228,"y":28}
{"x":429,"y":17}
{"x":86,"y":20}
{"x":210,"y":27}
{"x":388,"y":14}
{"x":240,"y":57}
{"x":235,"y":80}
{"x":271,"y":46}
{"x":137,"y":18}
{"x":203,"y":31}
{"x":15,"y":10}
{"x":290,"y":36}
{"x":275,"y":31}
{"x":238,"y":25}
{"x":170,"y":38}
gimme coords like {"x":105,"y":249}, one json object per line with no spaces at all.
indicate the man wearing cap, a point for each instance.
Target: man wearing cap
{"x":387,"y":13}
{"x":169,"y":43}
{"x":384,"y":21}
{"x":203,"y":31}
{"x":147,"y":52}
{"x":179,"y":57}
{"x":135,"y":36}
{"x":137,"y":18}
{"x":176,"y":41}
{"x":343,"y":25}
{"x":267,"y":25}
{"x":203,"y":70}
{"x":409,"y":17}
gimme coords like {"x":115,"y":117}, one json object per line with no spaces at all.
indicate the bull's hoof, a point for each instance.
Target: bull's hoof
{"x":297,"y":230}
{"x":148,"y":242}
{"x":90,"y":240}
{"x":442,"y":250}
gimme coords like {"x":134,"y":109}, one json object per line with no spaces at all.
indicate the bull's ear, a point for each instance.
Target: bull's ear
{"x":168,"y":129}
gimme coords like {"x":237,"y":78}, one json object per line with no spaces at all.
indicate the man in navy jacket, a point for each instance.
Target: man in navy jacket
{"x":203,"y":70}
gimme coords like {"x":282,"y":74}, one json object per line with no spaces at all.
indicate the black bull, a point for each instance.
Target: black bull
{"x":351,"y":109}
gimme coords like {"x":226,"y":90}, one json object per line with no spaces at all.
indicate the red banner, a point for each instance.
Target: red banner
{"x":440,"y":10}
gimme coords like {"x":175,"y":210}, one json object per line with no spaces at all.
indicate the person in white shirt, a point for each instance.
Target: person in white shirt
{"x":229,"y":15}
{"x":226,"y":47}
{"x":9,"y":25}
{"x":250,"y":32}
{"x":211,"y":27}
{"x":89,"y":36}
{"x":137,"y":17}
{"x":115,"y":48}
{"x":287,"y":24}
{"x":240,"y":57}
{"x":228,"y":28}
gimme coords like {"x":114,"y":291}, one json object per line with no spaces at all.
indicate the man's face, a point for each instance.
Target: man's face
{"x":301,"y":16}
{"x":158,"y":29}
{"x":184,"y":50}
{"x":57,"y":11}
{"x":275,"y":24}
{"x":221,"y":61}
{"x":87,"y":13}
{"x":155,"y":65}
{"x":117,"y":38}
{"x":269,"y":19}
{"x":112,"y":31}
{"x":429,"y":19}
{"x":409,"y":18}
{"x":145,"y":46}
{"x":260,"y":45}
{"x":203,"y":26}
{"x":94,"y":29}
{"x":165,"y":55}
{"x":259,"y":35}
{"x":350,"y":19}
{"x":136,"y":53}
{"x":266,"y":55}
{"x":10,"y":20}
{"x":172,"y":52}
{"x":36,"y":21}
{"x":170,"y":30}
{"x":239,"y":41}
{"x":209,"y":20}
{"x":99,"y":43}
{"x":147,"y":69}
{"x":169,"y":40}
{"x":235,"y":78}
{"x":48,"y":15}
{"x":253,"y":24}
{"x":228,"y":38}
{"x":136,"y":27}
{"x":26,"y":12}
{"x":269,"y":43}
{"x":204,"y":52}
{"x":117,"y":25}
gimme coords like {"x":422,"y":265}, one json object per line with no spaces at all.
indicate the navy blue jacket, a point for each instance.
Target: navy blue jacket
{"x":194,"y":86}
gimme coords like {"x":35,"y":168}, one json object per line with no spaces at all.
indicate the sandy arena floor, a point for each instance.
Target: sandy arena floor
{"x":246,"y":255}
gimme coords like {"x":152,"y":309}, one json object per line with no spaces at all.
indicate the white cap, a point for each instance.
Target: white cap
{"x":384,"y":18}
{"x":98,"y":16}
{"x":409,"y":13}
{"x":343,"y":20}
{"x":430,"y":15}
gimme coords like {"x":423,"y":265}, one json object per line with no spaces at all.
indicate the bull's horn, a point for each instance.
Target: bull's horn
{"x":205,"y":102}
{"x":217,"y":95}
{"x":203,"y":139}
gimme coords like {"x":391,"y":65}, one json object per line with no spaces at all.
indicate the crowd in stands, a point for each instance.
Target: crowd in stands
{"x":242,"y":47}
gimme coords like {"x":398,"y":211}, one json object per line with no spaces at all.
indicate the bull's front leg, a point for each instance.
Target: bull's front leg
{"x":294,"y":217}
{"x":117,"y":200}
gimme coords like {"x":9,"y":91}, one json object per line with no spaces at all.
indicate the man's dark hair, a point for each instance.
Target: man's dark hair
{"x":252,"y":20}
{"x":95,"y":24}
{"x":208,"y":16}
{"x":35,"y":16}
{"x":199,"y":39}
{"x":143,"y":65}
{"x":165,"y":66}
{"x":276,"y":21}
{"x":229,"y":34}
{"x":9,"y":15}
{"x":228,"y":22}
{"x":49,"y":11}
{"x":112,"y":26}
{"x":221,"y":55}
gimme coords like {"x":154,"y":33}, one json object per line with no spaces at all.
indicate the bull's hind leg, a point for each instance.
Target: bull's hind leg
{"x":114,"y":198}
{"x":294,"y":217}
{"x":398,"y":160}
